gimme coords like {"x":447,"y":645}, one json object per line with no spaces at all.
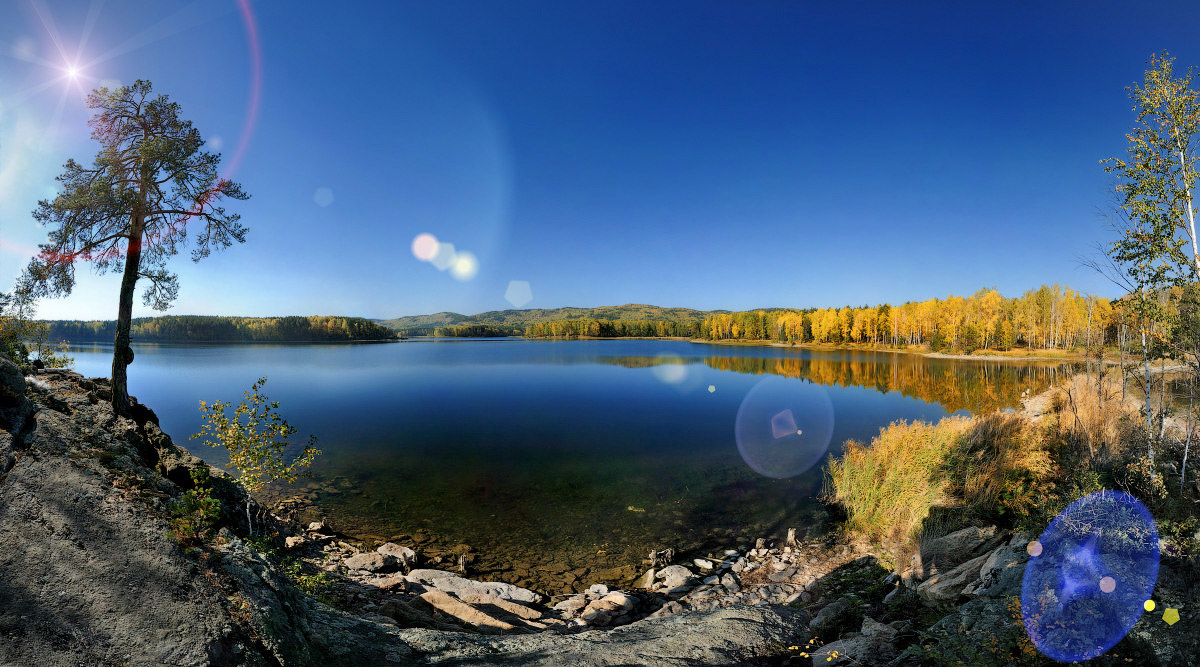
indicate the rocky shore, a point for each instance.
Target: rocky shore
{"x":95,"y":575}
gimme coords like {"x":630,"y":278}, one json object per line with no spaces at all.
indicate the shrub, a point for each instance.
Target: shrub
{"x":196,"y":512}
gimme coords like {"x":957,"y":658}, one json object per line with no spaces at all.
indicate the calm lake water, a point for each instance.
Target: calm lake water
{"x":560,"y":464}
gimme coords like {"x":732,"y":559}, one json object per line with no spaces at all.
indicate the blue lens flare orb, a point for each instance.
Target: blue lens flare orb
{"x":784,"y":426}
{"x":1089,"y":576}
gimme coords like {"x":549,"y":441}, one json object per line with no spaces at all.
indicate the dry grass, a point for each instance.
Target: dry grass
{"x":888,"y":487}
{"x":998,"y":464}
{"x":1095,"y":416}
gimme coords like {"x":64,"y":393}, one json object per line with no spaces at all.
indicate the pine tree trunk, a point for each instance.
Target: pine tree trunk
{"x":122,"y":352}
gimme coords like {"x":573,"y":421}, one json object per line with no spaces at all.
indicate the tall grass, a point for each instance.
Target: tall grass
{"x":888,"y":487}
{"x":998,"y":465}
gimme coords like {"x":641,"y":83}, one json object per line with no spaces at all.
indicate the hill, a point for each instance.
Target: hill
{"x":290,"y":329}
{"x":519,"y":319}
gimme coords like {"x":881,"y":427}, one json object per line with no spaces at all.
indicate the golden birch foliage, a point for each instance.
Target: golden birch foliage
{"x":256,"y":437}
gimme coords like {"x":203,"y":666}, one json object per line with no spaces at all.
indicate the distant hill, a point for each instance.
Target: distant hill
{"x":312,"y":328}
{"x":519,"y":319}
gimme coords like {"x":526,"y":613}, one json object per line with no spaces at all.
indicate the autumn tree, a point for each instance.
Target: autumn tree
{"x":1157,"y":246}
{"x":131,"y":210}
{"x":256,"y":438}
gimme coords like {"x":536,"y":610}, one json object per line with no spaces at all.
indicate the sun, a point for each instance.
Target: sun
{"x":73,"y":72}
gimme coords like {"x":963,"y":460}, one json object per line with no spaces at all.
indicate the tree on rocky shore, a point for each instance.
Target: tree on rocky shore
{"x":256,"y":439}
{"x":132,"y":207}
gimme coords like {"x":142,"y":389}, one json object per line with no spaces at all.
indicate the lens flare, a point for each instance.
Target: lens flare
{"x":518,"y":293}
{"x":323,"y":197}
{"x":465,"y":266}
{"x":1092,"y":577}
{"x":424,"y":247}
{"x":443,"y":258}
{"x":784,"y":426}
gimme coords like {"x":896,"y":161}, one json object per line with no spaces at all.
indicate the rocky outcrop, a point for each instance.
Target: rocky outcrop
{"x":94,"y":575}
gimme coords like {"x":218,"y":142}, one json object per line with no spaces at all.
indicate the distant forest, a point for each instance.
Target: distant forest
{"x":313,"y":328}
{"x":516,"y":322}
{"x":1048,"y":318}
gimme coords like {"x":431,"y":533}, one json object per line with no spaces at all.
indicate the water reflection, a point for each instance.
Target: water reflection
{"x":975,"y":386}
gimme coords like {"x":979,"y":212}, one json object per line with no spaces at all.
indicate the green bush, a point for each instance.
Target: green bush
{"x":196,"y":513}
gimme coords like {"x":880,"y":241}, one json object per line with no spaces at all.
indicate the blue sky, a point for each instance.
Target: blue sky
{"x":701,"y":154}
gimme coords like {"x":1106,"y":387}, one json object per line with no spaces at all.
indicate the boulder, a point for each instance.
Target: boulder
{"x":12,"y":384}
{"x":1001,"y":573}
{"x":464,"y":612}
{"x":294,"y":541}
{"x":508,"y":606}
{"x":947,"y":552}
{"x":834,"y":618}
{"x":405,"y":556}
{"x":371,"y":562}
{"x":873,"y":646}
{"x":675,"y":576}
{"x":449,"y":582}
{"x":946,"y":588}
{"x":622,"y":599}
{"x":571,"y":606}
{"x":646,"y":580}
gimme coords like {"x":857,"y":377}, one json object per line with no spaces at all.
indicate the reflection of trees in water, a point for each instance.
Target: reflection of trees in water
{"x":974,"y":386}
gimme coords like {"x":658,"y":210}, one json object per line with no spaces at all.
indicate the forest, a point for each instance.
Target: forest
{"x":598,"y":328}
{"x":294,"y":328}
{"x":1048,"y":318}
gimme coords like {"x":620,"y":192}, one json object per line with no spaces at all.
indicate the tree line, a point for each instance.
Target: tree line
{"x":1050,"y":317}
{"x":295,"y":328}
{"x":573,"y":328}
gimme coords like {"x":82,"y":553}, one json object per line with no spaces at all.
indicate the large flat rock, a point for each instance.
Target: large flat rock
{"x":731,"y":635}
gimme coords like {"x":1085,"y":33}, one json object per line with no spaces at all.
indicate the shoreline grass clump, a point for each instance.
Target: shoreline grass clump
{"x":888,"y":487}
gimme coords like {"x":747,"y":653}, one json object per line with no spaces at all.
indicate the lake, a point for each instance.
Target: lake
{"x":558,"y":464}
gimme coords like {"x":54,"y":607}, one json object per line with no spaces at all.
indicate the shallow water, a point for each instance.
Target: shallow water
{"x":559,"y":464}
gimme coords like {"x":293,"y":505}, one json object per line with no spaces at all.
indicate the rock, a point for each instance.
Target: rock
{"x":712,"y":581}
{"x":12,"y":384}
{"x":946,"y":588}
{"x":319,"y":527}
{"x":623,"y":600}
{"x":730,"y":582}
{"x":464,"y":612}
{"x":598,"y":589}
{"x":949,"y":551}
{"x":782,"y":575}
{"x":834,"y":618}
{"x":520,"y":610}
{"x":294,"y":541}
{"x":872,"y":646}
{"x":702,"y":564}
{"x":1001,"y":573}
{"x":646,"y":580}
{"x":571,"y":605}
{"x":395,"y":584}
{"x":371,"y":562}
{"x":404,"y":556}
{"x":452,"y":583}
{"x":674,"y":576}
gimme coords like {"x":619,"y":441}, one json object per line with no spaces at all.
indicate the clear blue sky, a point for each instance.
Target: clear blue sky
{"x":701,"y":154}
